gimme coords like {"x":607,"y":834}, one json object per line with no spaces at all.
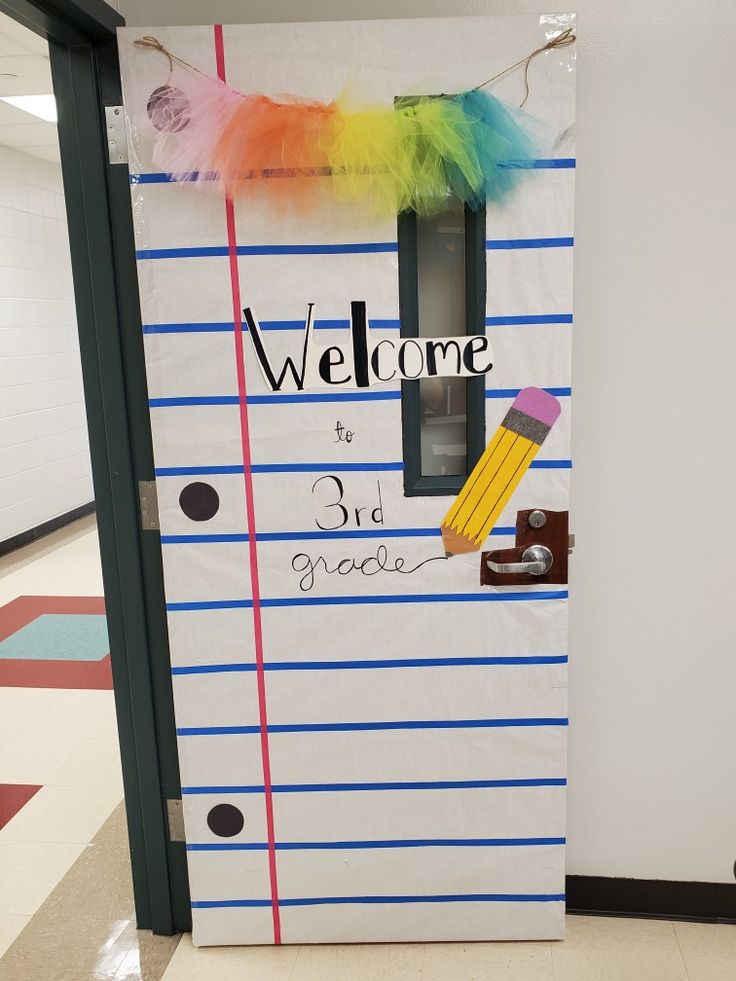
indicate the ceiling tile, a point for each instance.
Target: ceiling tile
{"x":29,"y":134}
{"x":44,"y":153}
{"x":13,"y":33}
{"x":11,"y":115}
{"x":34,"y":75}
{"x":8,"y":47}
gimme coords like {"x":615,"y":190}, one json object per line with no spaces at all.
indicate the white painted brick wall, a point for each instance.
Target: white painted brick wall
{"x":44,"y":455}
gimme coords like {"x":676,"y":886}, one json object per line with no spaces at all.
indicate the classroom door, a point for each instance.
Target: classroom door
{"x":371,"y":733}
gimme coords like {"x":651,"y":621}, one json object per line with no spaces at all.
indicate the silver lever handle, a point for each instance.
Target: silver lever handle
{"x":535,"y":561}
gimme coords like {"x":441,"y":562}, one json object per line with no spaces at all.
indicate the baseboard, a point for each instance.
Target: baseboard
{"x":33,"y":534}
{"x":712,"y":902}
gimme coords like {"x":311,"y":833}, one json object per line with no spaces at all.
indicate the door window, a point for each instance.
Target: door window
{"x":442,"y":286}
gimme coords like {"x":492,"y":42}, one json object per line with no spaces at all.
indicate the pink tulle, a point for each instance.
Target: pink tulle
{"x":188,"y":153}
{"x":412,"y":156}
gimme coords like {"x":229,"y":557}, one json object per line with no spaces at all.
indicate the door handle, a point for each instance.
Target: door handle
{"x":536,"y":560}
{"x":540,"y":554}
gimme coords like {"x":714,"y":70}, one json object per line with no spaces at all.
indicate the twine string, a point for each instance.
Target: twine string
{"x":562,"y":40}
{"x":154,"y":44}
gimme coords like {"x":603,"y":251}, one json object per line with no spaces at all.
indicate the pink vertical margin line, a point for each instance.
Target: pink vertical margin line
{"x":251,"y":519}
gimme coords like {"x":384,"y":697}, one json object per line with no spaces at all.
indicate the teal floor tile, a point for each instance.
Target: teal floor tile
{"x":59,"y":636}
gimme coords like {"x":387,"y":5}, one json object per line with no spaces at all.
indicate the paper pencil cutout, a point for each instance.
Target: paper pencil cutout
{"x":496,"y":475}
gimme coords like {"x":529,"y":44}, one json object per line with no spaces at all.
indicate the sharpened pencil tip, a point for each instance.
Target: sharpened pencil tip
{"x":448,"y":555}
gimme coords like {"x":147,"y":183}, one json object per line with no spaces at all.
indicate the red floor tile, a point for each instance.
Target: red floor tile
{"x":24,"y":609}
{"x":16,"y":673}
{"x":13,"y":796}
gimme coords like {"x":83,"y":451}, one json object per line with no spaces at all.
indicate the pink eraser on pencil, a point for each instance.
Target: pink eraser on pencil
{"x":532,"y":414}
{"x":538,"y":404}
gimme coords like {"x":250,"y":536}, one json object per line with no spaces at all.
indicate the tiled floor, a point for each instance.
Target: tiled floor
{"x":13,"y":796}
{"x":66,"y":907}
{"x":596,"y":949}
{"x":85,"y":932}
{"x":59,"y":759}
{"x":65,"y":563}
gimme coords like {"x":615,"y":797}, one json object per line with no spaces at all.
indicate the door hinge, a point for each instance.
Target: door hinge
{"x":176,"y":819}
{"x":117,"y":141}
{"x":148,"y":499}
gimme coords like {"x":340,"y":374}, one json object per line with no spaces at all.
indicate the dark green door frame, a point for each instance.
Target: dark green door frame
{"x":85,"y":71}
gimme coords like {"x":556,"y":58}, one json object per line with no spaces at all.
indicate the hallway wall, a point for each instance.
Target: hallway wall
{"x":44,"y":455}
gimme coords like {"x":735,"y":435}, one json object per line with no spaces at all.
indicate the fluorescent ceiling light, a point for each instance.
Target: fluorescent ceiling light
{"x":43,"y":106}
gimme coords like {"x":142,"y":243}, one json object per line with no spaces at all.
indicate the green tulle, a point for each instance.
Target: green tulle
{"x":413,"y":155}
{"x":417,"y":155}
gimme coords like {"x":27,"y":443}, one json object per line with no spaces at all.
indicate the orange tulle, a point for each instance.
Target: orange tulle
{"x":279,"y":142}
{"x":408,"y":156}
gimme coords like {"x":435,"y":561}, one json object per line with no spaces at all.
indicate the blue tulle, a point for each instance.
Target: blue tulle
{"x":502,"y":146}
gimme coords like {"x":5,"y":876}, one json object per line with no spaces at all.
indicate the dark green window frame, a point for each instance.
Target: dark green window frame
{"x":416,"y":484}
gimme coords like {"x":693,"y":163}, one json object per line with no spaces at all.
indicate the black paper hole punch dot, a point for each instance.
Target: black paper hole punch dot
{"x":225,"y":820}
{"x":199,"y":501}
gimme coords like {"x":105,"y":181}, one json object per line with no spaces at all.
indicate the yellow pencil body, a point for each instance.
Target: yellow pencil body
{"x":497,"y":473}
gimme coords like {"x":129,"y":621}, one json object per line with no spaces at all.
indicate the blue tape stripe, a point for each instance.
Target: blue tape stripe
{"x":203,"y":251}
{"x":325,"y":324}
{"x":243,"y":604}
{"x":335,"y":248}
{"x":384,"y":900}
{"x":320,"y":468}
{"x":378,"y":324}
{"x":323,"y":467}
{"x":247,"y":604}
{"x":300,"y":846}
{"x":529,"y":319}
{"x":193,"y":400}
{"x":370,"y":726}
{"x":494,"y":244}
{"x":151,"y":178}
{"x":279,"y":399}
{"x":198,"y":471}
{"x":351,"y":396}
{"x":541,"y":163}
{"x":554,"y":163}
{"x":195,"y":328}
{"x":409,"y":598}
{"x":511,"y":393}
{"x":550,"y":465}
{"x":399,"y":785}
{"x":301,"y":536}
{"x":325,"y":248}
{"x":406,"y":662}
{"x":292,"y":536}
{"x":382,"y":324}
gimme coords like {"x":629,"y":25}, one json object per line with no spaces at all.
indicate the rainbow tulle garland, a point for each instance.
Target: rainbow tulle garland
{"x":409,"y":156}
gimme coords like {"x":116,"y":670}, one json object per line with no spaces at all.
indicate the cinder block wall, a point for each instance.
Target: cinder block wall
{"x":44,"y":455}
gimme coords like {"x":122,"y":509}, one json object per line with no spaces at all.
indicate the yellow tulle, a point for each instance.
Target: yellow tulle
{"x":401,"y":158}
{"x":365,"y":160}
{"x":411,"y":155}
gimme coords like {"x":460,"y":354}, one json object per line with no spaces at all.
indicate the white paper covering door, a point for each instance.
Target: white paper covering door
{"x":392,"y":745}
